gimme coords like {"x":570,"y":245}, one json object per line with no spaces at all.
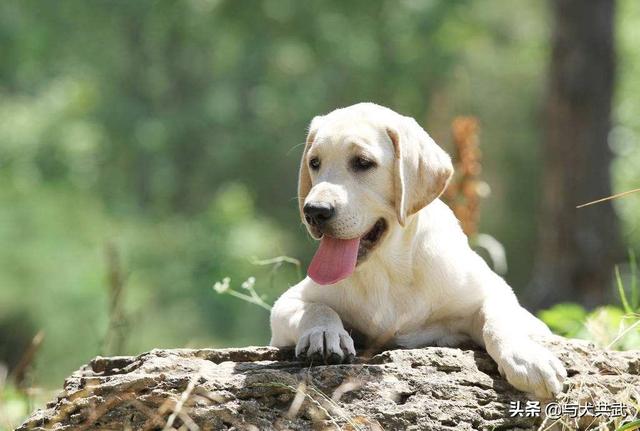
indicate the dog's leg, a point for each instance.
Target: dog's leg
{"x":315,"y":329}
{"x":506,"y":331}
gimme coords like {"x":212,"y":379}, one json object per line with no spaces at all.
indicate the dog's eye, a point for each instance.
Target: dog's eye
{"x":314,"y":163}
{"x":362,"y":164}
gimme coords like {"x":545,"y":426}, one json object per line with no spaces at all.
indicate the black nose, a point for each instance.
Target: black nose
{"x":318,"y":213}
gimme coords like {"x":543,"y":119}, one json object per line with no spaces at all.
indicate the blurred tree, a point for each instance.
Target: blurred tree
{"x":172,"y":129}
{"x":577,"y":248}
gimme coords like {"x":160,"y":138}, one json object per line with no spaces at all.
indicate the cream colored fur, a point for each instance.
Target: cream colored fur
{"x":422,"y":284}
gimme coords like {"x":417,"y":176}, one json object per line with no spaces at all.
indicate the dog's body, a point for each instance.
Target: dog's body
{"x":370,"y":179}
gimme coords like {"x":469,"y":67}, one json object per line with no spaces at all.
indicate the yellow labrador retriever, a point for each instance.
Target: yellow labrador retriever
{"x":393,"y":262}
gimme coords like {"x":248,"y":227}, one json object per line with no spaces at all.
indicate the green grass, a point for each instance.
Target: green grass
{"x":609,"y":326}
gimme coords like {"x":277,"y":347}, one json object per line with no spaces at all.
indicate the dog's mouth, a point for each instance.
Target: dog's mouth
{"x":336,"y":258}
{"x":370,"y":239}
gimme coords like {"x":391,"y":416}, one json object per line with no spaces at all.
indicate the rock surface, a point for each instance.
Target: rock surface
{"x":264,"y":388}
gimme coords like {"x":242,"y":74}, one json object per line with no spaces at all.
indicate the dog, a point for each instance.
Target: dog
{"x":393,"y":263}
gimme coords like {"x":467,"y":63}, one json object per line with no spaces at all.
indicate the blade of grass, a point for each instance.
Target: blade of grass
{"x":621,"y":292}
{"x":630,"y":426}
{"x":622,"y":334}
{"x":635,"y":294}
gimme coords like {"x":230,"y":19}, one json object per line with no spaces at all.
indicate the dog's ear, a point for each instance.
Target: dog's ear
{"x":304,"y":180}
{"x":422,"y":169}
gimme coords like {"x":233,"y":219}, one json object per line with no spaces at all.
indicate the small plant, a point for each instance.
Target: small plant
{"x":14,"y":406}
{"x":224,"y":286}
{"x":631,"y":305}
{"x":609,"y":326}
{"x":631,"y":426}
{"x":115,"y":336}
{"x":18,"y":396}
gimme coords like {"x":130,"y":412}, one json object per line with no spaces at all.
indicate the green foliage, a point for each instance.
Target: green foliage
{"x":629,"y":426}
{"x":171,"y":130}
{"x":169,"y":265}
{"x":610,"y":326}
{"x":566,"y":319}
{"x":625,"y":135}
{"x":14,"y":406}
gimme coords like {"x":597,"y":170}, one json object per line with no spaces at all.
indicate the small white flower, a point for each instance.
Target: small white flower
{"x":222,"y":286}
{"x":249,"y":283}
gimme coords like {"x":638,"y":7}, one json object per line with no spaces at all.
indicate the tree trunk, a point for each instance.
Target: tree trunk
{"x":577,"y":247}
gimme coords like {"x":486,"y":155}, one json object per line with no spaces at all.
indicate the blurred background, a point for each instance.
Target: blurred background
{"x":149,"y":149}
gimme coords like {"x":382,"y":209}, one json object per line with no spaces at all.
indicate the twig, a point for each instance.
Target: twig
{"x":335,"y":407}
{"x":114,"y":338}
{"x":277,"y":259}
{"x":317,"y":403}
{"x":301,"y":393}
{"x":277,"y":263}
{"x":97,"y":410}
{"x":254,"y":298}
{"x":346,"y":386}
{"x":617,"y":195}
{"x":177,"y":410}
{"x":27,"y":359}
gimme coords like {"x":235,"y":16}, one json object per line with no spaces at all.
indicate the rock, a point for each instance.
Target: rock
{"x":264,"y":388}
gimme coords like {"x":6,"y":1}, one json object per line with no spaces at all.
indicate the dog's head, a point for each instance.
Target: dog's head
{"x":363,"y":168}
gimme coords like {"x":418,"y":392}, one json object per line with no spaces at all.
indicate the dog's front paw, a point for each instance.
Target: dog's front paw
{"x":325,"y":345}
{"x":531,"y":368}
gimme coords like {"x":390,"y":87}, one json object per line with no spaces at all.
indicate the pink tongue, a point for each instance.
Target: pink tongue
{"x":335,"y":260}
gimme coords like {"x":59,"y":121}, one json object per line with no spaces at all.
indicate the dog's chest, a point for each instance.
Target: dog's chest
{"x":383,"y":307}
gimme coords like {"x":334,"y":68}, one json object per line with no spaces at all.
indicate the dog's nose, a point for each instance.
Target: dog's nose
{"x":318,"y":213}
